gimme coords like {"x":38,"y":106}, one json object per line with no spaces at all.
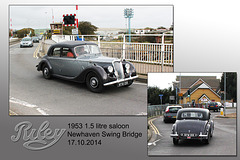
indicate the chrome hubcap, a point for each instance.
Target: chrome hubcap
{"x":94,"y":82}
{"x":46,"y":71}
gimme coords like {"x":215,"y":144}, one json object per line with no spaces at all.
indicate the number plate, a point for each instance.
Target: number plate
{"x":122,"y":84}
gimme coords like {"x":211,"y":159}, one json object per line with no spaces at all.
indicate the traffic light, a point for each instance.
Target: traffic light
{"x":69,"y":19}
{"x":189,"y":92}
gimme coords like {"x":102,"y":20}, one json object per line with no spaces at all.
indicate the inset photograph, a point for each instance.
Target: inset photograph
{"x":192,"y":114}
{"x":86,"y":60}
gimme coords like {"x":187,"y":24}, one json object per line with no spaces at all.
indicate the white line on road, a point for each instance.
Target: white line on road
{"x":144,"y":84}
{"x":26,"y":104}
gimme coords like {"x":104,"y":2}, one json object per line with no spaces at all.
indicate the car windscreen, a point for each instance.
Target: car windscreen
{"x":174,"y":109}
{"x":87,"y":49}
{"x":26,"y":39}
{"x":191,"y":115}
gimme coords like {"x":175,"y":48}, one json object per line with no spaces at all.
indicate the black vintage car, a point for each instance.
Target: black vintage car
{"x":82,"y":62}
{"x":192,"y":123}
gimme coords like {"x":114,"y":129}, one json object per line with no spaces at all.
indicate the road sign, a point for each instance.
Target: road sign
{"x":160,"y":95}
{"x":74,"y":31}
{"x":172,"y":98}
{"x":180,"y":94}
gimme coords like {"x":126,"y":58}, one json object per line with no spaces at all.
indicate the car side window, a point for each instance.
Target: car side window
{"x":56,"y":52}
{"x":66,"y":52}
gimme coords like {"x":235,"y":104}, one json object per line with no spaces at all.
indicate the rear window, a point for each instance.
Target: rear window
{"x":191,"y":115}
{"x":174,"y":109}
{"x":213,"y":103}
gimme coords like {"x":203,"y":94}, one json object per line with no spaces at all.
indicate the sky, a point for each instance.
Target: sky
{"x":38,"y":17}
{"x":164,"y":80}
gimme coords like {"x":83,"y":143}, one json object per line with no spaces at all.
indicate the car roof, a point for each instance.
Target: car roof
{"x":194,"y":110}
{"x":174,"y":106}
{"x":72,"y":44}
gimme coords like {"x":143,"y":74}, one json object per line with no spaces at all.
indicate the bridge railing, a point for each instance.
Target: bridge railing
{"x":146,"y":57}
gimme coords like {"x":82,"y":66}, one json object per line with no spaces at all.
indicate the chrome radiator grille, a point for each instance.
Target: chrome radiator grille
{"x":118,"y":67}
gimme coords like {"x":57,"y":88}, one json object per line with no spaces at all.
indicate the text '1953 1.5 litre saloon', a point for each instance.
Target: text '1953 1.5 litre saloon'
{"x":192,"y":123}
{"x":82,"y":62}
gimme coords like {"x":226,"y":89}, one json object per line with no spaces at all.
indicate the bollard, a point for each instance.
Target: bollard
{"x":221,"y":111}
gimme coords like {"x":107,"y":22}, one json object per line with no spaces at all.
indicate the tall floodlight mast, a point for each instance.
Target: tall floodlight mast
{"x":128,"y":13}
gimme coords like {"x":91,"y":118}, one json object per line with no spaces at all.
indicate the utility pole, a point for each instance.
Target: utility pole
{"x":225,"y":92}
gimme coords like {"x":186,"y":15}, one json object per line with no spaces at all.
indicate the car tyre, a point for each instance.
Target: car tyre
{"x":94,"y":83}
{"x":46,"y":72}
{"x":206,"y":141}
{"x":175,"y":141}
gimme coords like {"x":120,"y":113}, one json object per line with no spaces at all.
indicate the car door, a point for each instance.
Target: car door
{"x":54,"y":60}
{"x":69,"y":65}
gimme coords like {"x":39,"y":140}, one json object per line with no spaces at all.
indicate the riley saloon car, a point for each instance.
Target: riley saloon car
{"x":82,"y":62}
{"x":192,"y":123}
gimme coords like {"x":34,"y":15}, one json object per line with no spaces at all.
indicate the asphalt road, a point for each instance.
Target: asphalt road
{"x":223,"y":141}
{"x":31,"y":94}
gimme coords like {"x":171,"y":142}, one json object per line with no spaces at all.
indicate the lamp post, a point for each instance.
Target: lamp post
{"x":225,"y":92}
{"x":128,"y":13}
{"x":175,"y":84}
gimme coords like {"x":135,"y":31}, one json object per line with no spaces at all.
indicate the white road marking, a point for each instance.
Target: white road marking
{"x":144,"y":84}
{"x":26,"y":104}
{"x":142,"y":113}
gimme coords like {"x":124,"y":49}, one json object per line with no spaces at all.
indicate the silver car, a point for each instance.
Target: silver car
{"x":26,"y":42}
{"x":83,"y":62}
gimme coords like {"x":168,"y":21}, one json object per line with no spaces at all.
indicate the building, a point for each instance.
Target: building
{"x":199,"y":89}
{"x":56,"y":28}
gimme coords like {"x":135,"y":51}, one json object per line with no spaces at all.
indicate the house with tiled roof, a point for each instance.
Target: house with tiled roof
{"x":202,"y":89}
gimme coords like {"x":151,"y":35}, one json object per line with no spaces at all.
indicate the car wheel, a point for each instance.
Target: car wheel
{"x":94,"y":83}
{"x":211,"y":133}
{"x":21,"y":46}
{"x":129,"y":83}
{"x":206,"y":141}
{"x":175,"y":141}
{"x":46,"y":72}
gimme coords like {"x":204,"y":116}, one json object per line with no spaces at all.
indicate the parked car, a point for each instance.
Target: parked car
{"x":35,"y":39}
{"x":192,"y":123}
{"x":170,"y":113}
{"x":26,"y":42}
{"x":220,"y":105}
{"x":213,"y":106}
{"x":82,"y":62}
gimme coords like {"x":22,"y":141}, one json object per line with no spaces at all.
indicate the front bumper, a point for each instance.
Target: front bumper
{"x":26,"y":45}
{"x":200,"y":136}
{"x":120,"y":81}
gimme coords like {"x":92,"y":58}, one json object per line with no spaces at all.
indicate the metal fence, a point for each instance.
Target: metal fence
{"x":147,"y":57}
{"x":157,"y":110}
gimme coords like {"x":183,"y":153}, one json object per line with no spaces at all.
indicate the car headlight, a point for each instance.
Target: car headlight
{"x":127,"y":66}
{"x":110,"y":69}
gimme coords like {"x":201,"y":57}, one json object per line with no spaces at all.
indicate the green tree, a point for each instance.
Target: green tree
{"x":231,"y":85}
{"x":24,"y":32}
{"x":161,"y":27}
{"x":153,"y":95}
{"x":86,"y":28}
